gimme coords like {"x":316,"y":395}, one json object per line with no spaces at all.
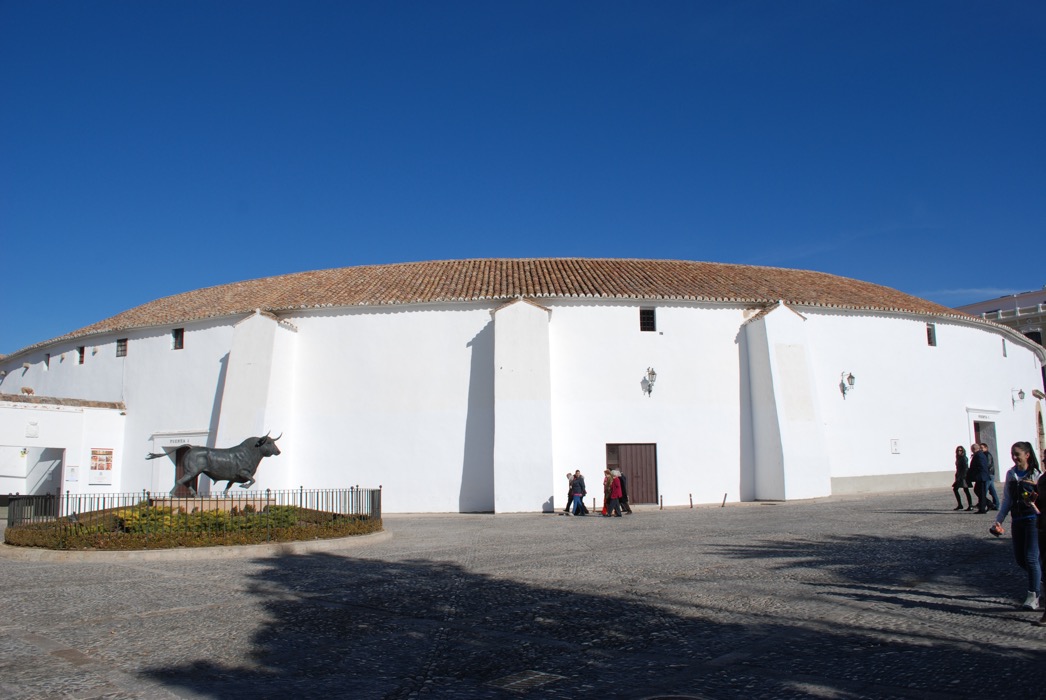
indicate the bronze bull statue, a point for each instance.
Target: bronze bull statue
{"x":236,"y":465}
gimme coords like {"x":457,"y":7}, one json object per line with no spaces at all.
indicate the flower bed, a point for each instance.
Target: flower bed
{"x":148,"y":526}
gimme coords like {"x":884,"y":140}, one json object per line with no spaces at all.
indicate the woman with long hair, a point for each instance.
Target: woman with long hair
{"x":962,"y":465}
{"x":1020,"y":492}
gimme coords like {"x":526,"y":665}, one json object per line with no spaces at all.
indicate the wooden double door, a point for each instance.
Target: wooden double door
{"x":638,"y":464}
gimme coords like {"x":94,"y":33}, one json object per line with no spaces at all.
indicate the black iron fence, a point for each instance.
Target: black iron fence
{"x":147,"y":512}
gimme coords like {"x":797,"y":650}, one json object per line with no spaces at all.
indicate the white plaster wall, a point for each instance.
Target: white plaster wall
{"x":405,"y":397}
{"x":402,"y":398}
{"x":246,"y":387}
{"x":279,"y":472}
{"x":165,"y":390}
{"x":599,"y":359}
{"x":767,"y":452}
{"x":804,"y":458}
{"x":13,"y":467}
{"x":75,"y":430}
{"x":914,"y":393}
{"x":522,"y":410}
{"x":99,"y":378}
{"x":169,"y":391}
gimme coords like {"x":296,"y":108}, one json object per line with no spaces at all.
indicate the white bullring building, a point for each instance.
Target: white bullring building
{"x":475,"y":385}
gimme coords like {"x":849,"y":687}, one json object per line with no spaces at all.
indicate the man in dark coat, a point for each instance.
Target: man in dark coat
{"x":980,"y":473}
{"x":624,"y":492}
{"x":990,"y":491}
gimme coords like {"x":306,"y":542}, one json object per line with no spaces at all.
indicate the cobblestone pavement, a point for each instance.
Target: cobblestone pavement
{"x":877,"y":597}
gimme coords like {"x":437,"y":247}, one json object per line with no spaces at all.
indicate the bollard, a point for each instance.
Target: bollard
{"x":691,"y":500}
{"x":723,"y":504}
{"x":661,"y":500}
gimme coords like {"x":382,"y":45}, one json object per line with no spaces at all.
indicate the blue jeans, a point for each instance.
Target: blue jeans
{"x":576,"y":505}
{"x":1026,"y":551}
{"x":993,"y":493}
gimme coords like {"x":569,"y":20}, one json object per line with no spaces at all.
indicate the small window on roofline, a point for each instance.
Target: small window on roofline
{"x":80,"y":352}
{"x":178,"y":339}
{"x":1004,"y":348}
{"x":47,"y":361}
{"x":647,"y":320}
{"x":121,"y":347}
{"x":931,"y":334}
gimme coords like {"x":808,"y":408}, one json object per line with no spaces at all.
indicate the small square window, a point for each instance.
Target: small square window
{"x":178,"y":339}
{"x":121,"y":347}
{"x":931,"y":334}
{"x":80,"y":352}
{"x":647,"y":320}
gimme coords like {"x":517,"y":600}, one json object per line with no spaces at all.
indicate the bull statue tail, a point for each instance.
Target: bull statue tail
{"x":155,"y":455}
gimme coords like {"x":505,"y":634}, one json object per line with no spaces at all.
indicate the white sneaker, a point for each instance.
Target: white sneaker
{"x":1032,"y":602}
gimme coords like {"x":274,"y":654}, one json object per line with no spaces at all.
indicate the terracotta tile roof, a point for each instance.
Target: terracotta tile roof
{"x":501,"y":279}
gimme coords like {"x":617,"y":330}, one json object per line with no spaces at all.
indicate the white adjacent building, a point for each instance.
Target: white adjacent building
{"x":475,"y":385}
{"x":1025,"y":312}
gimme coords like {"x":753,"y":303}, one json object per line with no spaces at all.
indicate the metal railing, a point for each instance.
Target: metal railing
{"x":168,"y":512}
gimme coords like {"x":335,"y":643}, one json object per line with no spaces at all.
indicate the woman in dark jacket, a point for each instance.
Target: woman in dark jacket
{"x":962,"y":465}
{"x":1020,"y":498}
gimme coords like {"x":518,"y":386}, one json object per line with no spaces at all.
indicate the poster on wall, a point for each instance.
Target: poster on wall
{"x":101,"y":468}
{"x":72,"y":473}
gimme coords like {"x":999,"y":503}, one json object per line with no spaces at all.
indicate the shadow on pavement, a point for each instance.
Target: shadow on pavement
{"x":357,"y":628}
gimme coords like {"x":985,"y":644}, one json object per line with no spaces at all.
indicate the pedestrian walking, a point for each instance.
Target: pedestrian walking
{"x":614,"y":509}
{"x":1019,"y":496}
{"x":570,"y":493}
{"x":990,"y":490}
{"x":624,"y":493}
{"x":962,"y":467}
{"x":1040,"y":502}
{"x":578,"y":492}
{"x":607,"y":479}
{"x":979,"y":475}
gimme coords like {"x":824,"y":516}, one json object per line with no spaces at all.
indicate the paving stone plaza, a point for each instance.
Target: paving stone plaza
{"x":886,"y":596}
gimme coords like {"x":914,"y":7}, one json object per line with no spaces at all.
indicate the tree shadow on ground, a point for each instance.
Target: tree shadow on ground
{"x":359,"y":628}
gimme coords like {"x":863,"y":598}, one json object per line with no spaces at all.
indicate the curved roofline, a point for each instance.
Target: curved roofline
{"x":502,"y":279}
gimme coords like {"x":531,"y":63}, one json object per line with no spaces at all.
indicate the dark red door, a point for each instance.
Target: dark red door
{"x":179,"y":472}
{"x":638,"y":464}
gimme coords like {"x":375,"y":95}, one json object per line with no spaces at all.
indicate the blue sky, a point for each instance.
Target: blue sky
{"x":151,"y":148}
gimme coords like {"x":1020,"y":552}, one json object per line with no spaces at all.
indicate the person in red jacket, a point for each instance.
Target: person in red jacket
{"x":615,"y":494}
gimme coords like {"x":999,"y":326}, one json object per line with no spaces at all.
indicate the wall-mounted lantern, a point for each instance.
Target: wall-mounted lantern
{"x":648,"y":381}
{"x":846,"y":383}
{"x":1016,"y":397}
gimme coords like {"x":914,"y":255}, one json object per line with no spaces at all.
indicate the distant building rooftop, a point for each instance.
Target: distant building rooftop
{"x":1024,"y":312}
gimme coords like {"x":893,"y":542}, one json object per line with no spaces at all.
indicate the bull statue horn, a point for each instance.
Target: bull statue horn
{"x":277,"y":437}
